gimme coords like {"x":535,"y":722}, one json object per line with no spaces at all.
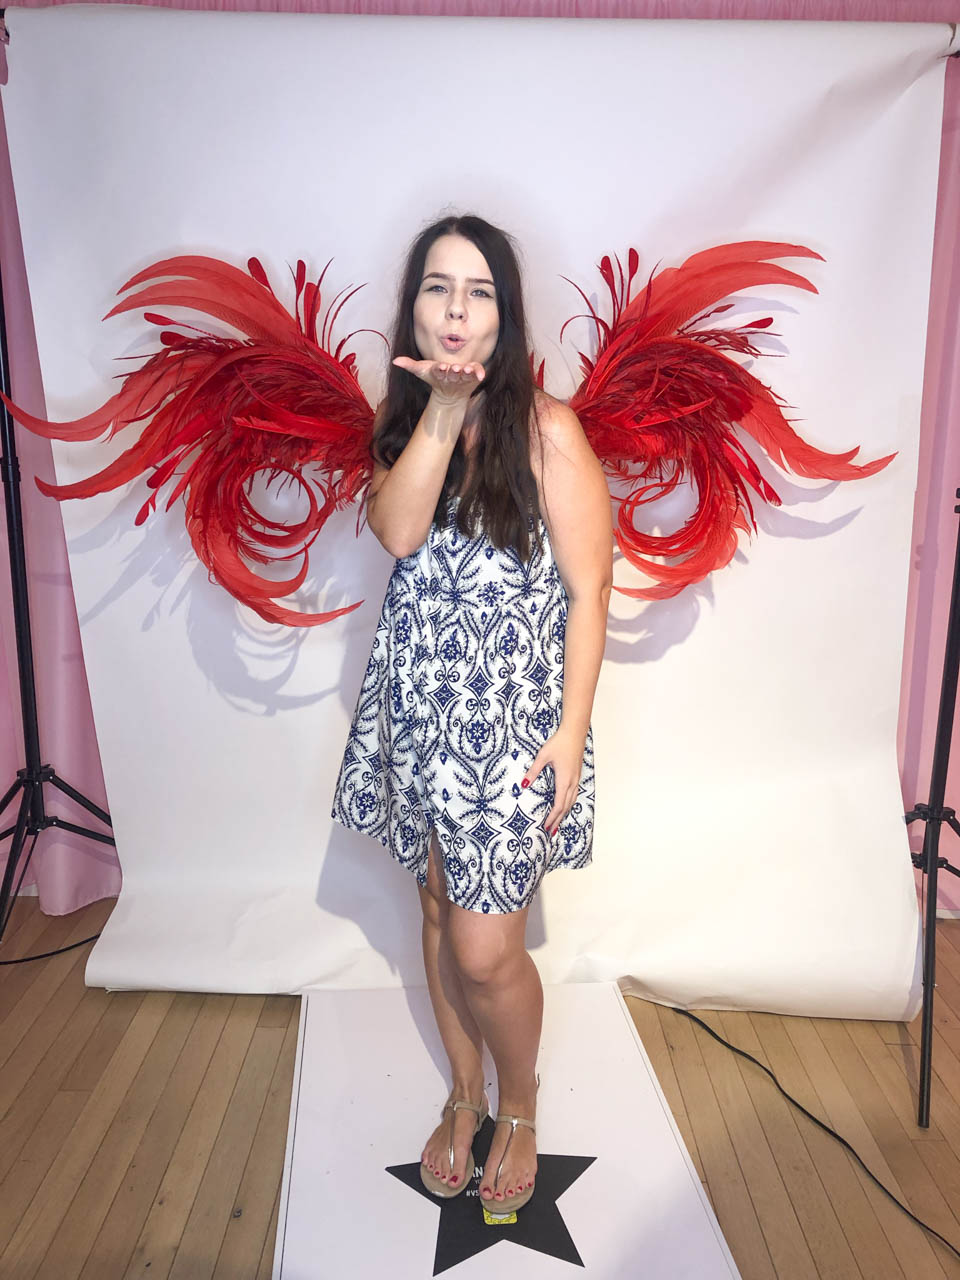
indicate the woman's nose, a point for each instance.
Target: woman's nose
{"x":455,"y":307}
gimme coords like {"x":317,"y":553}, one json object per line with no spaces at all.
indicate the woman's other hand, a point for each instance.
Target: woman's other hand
{"x":564,"y":751}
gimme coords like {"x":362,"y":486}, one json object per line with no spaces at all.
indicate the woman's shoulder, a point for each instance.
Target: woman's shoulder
{"x":555,"y":421}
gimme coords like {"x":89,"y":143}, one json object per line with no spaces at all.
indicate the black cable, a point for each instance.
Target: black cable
{"x":59,"y":952}
{"x":45,"y":954}
{"x":825,"y":1127}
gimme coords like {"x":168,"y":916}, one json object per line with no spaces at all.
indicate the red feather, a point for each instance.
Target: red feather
{"x":660,"y":399}
{"x":221,"y":410}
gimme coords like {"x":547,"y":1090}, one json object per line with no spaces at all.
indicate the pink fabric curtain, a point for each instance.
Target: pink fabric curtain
{"x":69,"y":872}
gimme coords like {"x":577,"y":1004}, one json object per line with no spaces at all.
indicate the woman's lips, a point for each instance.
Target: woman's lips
{"x":453,"y":344}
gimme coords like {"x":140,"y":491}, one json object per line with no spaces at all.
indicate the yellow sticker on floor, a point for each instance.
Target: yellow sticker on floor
{"x":498,"y":1219}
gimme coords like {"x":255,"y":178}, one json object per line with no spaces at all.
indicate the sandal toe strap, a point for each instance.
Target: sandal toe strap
{"x":513,"y":1121}
{"x":460,"y":1104}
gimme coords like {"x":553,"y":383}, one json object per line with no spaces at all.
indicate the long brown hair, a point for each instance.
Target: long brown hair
{"x":502,"y":492}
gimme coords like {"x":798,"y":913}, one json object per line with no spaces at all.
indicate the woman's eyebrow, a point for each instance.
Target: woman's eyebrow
{"x":470,"y":279}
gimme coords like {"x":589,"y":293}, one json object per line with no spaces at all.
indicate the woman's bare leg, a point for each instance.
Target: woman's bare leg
{"x":458,"y":1029}
{"x":503,"y":990}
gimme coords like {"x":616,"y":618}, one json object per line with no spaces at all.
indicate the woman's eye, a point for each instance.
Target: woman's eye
{"x":482,"y":292}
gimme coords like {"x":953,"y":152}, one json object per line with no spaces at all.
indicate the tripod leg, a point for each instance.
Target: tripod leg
{"x":80,"y":799}
{"x":10,"y":794}
{"x":13,"y":857}
{"x":931,"y":844}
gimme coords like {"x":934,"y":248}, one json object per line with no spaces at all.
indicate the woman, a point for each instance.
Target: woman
{"x":470,"y":753}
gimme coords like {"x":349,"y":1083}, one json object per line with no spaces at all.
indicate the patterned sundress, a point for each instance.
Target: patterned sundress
{"x":463,"y":686}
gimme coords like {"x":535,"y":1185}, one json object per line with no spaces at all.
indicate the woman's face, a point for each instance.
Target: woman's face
{"x":455,"y":315}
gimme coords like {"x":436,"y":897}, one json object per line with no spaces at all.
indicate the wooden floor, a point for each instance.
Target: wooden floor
{"x":143,"y":1134}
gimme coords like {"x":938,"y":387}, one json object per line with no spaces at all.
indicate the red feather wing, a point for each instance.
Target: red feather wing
{"x":659,"y":402}
{"x":219,"y":411}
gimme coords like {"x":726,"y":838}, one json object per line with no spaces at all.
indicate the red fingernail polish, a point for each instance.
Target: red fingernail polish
{"x":525,"y":782}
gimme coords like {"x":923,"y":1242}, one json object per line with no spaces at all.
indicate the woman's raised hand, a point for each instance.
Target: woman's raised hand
{"x":450,"y":383}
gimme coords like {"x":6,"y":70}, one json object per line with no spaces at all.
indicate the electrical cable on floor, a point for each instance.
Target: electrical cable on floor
{"x":45,"y":955}
{"x":819,"y":1123}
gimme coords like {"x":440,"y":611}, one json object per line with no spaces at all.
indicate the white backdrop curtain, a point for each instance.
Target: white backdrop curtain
{"x":748,"y":798}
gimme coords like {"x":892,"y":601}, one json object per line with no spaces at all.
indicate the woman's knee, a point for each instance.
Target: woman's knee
{"x":486,"y":949}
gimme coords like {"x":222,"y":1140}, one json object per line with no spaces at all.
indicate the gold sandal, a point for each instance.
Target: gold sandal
{"x":430,"y":1180}
{"x":510,"y":1203}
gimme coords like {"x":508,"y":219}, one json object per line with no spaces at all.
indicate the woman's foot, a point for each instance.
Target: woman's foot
{"x":436,"y":1153}
{"x":520,"y":1166}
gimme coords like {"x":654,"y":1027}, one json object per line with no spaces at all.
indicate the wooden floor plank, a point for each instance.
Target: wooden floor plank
{"x":35,"y":984}
{"x":873,"y":1231}
{"x":729,"y":1192}
{"x":91,"y":1061}
{"x":810,"y":1171}
{"x":914,"y":1186}
{"x":24,"y":914}
{"x":782,"y":1231}
{"x":32,"y":1048}
{"x":159,"y":1240}
{"x":944,"y":1109}
{"x":38,"y":1226}
{"x":876,"y":1055}
{"x":256,"y":1199}
{"x":206,"y":1227}
{"x":267,"y":1254}
{"x":27,"y":1171}
{"x":113,"y":1248}
{"x":76,"y":1233}
{"x":644,"y":1015}
{"x":24,"y":1108}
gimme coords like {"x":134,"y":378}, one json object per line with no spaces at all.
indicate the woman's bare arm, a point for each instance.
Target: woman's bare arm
{"x":401,"y":499}
{"x":577,"y":515}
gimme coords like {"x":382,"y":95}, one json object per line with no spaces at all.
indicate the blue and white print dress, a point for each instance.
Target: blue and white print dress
{"x":463,"y":686}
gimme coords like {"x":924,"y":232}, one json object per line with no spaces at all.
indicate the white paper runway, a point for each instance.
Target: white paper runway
{"x":617,"y":1193}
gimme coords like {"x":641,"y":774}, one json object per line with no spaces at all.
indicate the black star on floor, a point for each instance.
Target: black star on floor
{"x":463,"y":1230}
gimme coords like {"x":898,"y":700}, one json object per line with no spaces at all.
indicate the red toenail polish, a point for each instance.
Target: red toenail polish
{"x":455,"y":1178}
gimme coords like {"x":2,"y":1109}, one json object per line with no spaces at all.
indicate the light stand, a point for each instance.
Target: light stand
{"x":32,"y":817}
{"x":934,"y":814}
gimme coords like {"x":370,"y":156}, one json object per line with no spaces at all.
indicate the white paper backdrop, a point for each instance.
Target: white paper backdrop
{"x":749,"y":849}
